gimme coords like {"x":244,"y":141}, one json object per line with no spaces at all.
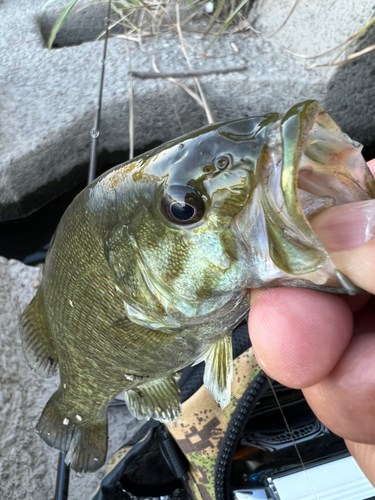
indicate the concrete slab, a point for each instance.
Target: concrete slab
{"x":351,"y":96}
{"x":312,"y":27}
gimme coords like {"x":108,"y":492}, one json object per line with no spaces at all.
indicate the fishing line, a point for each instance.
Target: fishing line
{"x":291,"y":435}
{"x":131,"y":103}
{"x":95,"y":131}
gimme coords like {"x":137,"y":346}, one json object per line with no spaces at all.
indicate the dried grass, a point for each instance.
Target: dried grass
{"x":347,"y":44}
{"x":145,"y":18}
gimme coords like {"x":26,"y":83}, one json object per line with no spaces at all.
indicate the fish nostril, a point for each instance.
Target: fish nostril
{"x":222,"y":162}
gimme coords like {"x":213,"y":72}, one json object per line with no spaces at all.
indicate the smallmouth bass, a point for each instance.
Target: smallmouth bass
{"x":150,"y":266}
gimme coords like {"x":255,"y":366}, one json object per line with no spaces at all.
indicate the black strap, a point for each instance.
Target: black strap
{"x":241,"y":414}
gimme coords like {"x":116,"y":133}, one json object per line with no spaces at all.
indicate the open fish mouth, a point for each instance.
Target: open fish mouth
{"x":308,"y":165}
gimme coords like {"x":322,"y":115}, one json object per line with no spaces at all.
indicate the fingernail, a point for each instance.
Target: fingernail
{"x":345,"y":226}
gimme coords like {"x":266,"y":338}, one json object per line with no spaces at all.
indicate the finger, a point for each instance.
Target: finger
{"x":298,"y":335}
{"x":364,"y":455}
{"x":358,"y":265}
{"x":348,"y":233}
{"x":349,"y":392}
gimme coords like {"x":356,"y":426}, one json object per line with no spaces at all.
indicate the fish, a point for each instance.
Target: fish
{"x":150,"y":266}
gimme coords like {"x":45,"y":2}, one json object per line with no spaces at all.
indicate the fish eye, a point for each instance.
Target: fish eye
{"x":222,"y":162}
{"x":182,"y":205}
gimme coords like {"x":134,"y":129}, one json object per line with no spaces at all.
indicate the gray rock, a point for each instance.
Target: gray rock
{"x":85,"y":22}
{"x":48,"y":97}
{"x":27,"y":466}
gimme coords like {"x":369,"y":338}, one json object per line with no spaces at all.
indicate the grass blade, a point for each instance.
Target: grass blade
{"x":353,"y":40}
{"x":215,"y":15}
{"x":59,"y":22}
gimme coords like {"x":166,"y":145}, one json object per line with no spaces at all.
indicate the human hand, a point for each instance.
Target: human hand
{"x":324,"y":344}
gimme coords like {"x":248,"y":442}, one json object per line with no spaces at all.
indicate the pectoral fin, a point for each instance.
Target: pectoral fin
{"x":218,"y":373}
{"x":158,"y":399}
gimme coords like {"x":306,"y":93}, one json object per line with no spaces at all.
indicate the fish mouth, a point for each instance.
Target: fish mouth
{"x":308,"y":165}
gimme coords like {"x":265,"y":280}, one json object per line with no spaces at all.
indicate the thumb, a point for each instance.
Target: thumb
{"x":364,"y":455}
{"x":348,"y":233}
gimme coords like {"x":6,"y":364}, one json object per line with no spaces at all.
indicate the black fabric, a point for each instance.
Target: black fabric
{"x":150,"y":424}
{"x":172,"y":454}
{"x":142,"y":472}
{"x":190,"y":381}
{"x":241,"y":340}
{"x":147,"y":468}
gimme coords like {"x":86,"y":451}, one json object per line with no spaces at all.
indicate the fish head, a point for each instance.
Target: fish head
{"x":167,"y":216}
{"x":198,"y":221}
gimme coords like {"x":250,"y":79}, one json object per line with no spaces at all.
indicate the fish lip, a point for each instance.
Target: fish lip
{"x":304,"y":131}
{"x":293,"y":246}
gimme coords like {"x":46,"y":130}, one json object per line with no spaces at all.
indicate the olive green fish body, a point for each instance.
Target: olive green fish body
{"x":149,"y":268}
